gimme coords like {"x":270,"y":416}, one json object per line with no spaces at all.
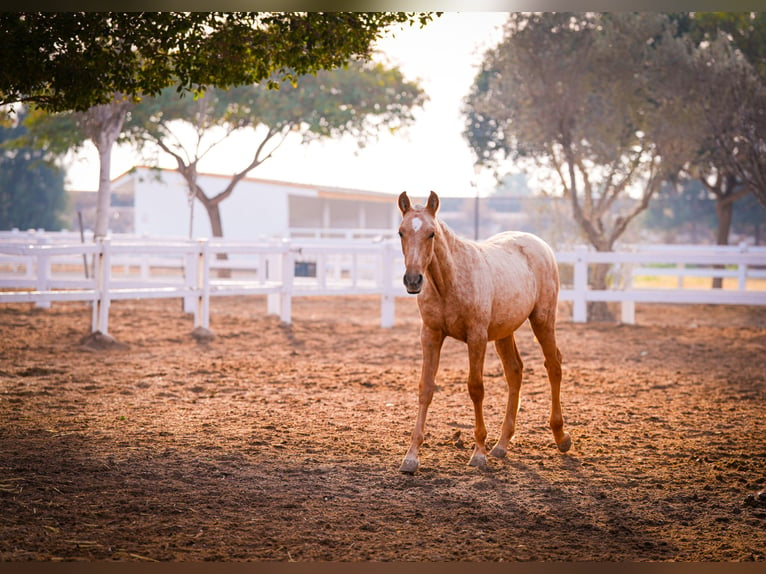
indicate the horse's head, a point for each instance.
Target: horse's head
{"x":417,"y":231}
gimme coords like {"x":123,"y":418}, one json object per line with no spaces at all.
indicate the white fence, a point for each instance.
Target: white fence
{"x":43,"y":268}
{"x":742,"y":261}
{"x":133,"y":268}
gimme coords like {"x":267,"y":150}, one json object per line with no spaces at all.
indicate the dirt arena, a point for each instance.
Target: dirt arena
{"x":276,"y":442}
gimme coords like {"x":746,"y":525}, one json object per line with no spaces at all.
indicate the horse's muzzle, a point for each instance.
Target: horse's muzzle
{"x":413,"y":282}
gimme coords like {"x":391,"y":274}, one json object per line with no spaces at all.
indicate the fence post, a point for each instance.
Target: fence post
{"x":145,"y":269}
{"x":288,"y":275}
{"x":627,"y":307}
{"x":387,"y":297}
{"x":579,"y":305}
{"x":191,"y":279}
{"x":202,"y":308}
{"x":100,"y":321}
{"x":742,"y":268}
{"x":43,"y":272}
{"x":354,"y":269}
{"x":273,"y":270}
{"x":321,"y":269}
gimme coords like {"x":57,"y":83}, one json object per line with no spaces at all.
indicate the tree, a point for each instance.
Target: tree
{"x":31,"y":186}
{"x":719,"y":94}
{"x":357,"y":100}
{"x":683,"y":211}
{"x":686,"y":212}
{"x":102,"y":124}
{"x":747,"y":31}
{"x":721,"y":59}
{"x":570,"y":93}
{"x":98,"y":64}
{"x":71,"y":61}
{"x":750,"y":218}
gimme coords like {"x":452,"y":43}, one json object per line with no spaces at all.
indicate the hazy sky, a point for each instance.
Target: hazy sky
{"x":432,"y":154}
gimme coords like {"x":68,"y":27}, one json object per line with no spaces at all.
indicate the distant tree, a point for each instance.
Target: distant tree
{"x":718,"y":91}
{"x":686,"y":212}
{"x":685,"y":209}
{"x":31,"y":186}
{"x":571,"y":94}
{"x":358,"y":100}
{"x":719,"y":80}
{"x":102,"y":125}
{"x":750,"y":219}
{"x":71,"y":61}
{"x":732,"y":159}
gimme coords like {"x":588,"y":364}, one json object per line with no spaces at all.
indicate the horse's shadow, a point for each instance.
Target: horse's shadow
{"x":581,"y":499}
{"x":544,"y":497}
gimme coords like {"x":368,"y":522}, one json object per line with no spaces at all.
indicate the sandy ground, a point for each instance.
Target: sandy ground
{"x":276,"y":442}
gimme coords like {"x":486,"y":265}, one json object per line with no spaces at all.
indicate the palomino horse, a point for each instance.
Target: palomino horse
{"x":475,"y":293}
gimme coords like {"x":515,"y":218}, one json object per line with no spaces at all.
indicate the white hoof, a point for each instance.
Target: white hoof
{"x":409,"y":465}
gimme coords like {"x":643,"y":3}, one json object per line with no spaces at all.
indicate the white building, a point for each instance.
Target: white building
{"x":157,"y":202}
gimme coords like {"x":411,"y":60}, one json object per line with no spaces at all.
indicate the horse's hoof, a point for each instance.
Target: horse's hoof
{"x":498,"y":452}
{"x":409,"y":466}
{"x":478,"y":460}
{"x":565,"y":443}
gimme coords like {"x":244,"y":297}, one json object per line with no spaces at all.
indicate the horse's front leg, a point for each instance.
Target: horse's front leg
{"x":431,"y":341}
{"x":477,"y":349}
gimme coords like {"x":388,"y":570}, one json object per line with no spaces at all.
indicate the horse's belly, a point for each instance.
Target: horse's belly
{"x":497,"y":318}
{"x":507,"y":317}
{"x":511,"y":301}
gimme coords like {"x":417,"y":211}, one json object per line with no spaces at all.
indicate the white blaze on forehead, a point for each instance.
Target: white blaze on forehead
{"x":417,"y":223}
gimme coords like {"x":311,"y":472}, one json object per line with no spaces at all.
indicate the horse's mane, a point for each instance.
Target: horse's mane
{"x":448,"y":234}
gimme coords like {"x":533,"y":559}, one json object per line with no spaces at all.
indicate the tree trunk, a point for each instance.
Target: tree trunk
{"x":104,"y":196}
{"x":216,"y":226}
{"x":599,"y":310}
{"x":724,"y":209}
{"x":103,"y":125}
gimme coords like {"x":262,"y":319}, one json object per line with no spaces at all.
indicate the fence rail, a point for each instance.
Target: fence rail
{"x":44,"y":268}
{"x":741,"y":261}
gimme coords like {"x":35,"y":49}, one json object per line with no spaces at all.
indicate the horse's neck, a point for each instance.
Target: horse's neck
{"x":443,"y":264}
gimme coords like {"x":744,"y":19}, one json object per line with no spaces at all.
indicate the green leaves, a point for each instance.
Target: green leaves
{"x":357,"y":100}
{"x":74,"y":60}
{"x":31,"y":187}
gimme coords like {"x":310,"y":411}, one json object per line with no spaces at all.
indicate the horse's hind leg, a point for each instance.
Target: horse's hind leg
{"x":545,"y":331}
{"x":512,"y":367}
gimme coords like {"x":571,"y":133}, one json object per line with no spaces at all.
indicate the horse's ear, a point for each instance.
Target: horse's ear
{"x":404,"y":202}
{"x":433,"y":203}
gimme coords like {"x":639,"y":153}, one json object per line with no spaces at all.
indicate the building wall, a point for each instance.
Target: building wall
{"x":256,"y":209}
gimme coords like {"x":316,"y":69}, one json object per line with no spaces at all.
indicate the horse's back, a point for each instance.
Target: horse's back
{"x":529,"y":280}
{"x":536,"y":252}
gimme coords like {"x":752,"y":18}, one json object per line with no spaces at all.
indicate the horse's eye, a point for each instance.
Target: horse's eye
{"x":433,"y":234}
{"x":400,"y":233}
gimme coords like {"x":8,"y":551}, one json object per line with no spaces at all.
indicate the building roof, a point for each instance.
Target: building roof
{"x":329,"y":192}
